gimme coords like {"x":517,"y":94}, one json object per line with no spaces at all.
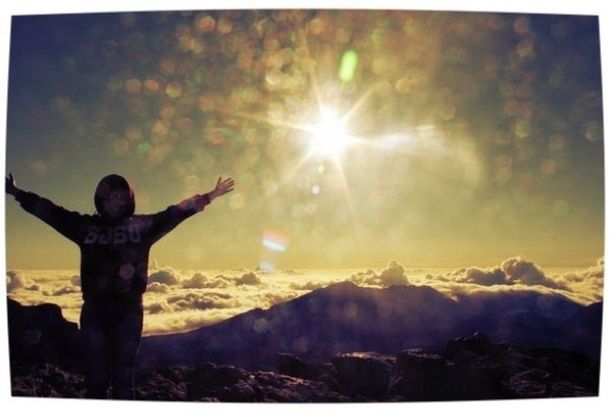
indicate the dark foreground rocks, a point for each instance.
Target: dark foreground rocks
{"x":469,"y":368}
{"x":205,"y":382}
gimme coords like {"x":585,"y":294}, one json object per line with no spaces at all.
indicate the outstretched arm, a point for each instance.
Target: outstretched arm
{"x":67,"y":223}
{"x":199,"y":201}
{"x":168,"y":219}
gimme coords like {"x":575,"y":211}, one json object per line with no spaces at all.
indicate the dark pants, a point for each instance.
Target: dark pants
{"x":111,"y":332}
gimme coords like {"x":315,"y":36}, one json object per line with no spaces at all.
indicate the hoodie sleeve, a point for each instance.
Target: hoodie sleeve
{"x":68,"y":223}
{"x":165,"y":221}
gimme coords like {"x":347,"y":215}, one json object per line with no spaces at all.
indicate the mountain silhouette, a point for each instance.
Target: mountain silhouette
{"x":344,"y":317}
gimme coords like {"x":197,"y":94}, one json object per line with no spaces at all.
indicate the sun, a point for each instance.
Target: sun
{"x":329,"y":137}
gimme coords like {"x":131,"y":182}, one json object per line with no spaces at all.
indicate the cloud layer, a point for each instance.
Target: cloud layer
{"x":180,"y":300}
{"x":510,"y":272}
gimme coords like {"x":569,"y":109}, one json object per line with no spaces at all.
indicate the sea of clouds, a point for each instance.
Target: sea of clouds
{"x":181,"y":300}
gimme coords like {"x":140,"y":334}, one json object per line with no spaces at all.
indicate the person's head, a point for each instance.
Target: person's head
{"x":114,"y":198}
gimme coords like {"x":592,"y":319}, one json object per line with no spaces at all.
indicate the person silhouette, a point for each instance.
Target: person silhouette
{"x":114,"y":244}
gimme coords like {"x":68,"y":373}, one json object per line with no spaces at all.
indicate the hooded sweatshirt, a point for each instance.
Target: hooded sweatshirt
{"x":114,"y":254}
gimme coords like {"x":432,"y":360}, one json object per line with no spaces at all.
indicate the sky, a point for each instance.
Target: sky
{"x":355,"y":137}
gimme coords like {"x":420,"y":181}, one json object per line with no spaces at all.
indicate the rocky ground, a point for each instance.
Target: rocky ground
{"x":469,"y":368}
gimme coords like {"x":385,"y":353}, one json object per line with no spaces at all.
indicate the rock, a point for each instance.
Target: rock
{"x":476,"y":369}
{"x":241,"y":391}
{"x":364,"y":374}
{"x":169,"y":384}
{"x":568,"y":365}
{"x":232,"y":384}
{"x":536,"y":383}
{"x":290,"y":365}
{"x":478,"y":344}
{"x":40,"y":335}
{"x":483,"y":370}
{"x":293,"y":366}
{"x":46,"y":380}
{"x":207,"y":378}
{"x":420,"y":376}
{"x":567,"y":389}
{"x":282,"y":388}
{"x":478,"y":381}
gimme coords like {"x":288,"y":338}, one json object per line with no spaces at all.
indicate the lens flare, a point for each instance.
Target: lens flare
{"x":349,"y":61}
{"x":275,"y":241}
{"x":329,"y":137}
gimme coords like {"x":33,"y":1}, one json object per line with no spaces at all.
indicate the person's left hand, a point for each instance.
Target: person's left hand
{"x":9,"y":185}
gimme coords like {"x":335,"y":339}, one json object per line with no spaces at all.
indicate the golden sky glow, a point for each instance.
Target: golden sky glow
{"x":355,"y":137}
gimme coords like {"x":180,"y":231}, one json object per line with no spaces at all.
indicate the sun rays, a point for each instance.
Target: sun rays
{"x":328,"y":137}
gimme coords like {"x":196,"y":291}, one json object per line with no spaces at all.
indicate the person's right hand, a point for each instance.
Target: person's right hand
{"x":9,"y":185}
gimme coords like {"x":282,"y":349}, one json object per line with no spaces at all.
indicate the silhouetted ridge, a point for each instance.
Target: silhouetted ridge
{"x":344,"y":317}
